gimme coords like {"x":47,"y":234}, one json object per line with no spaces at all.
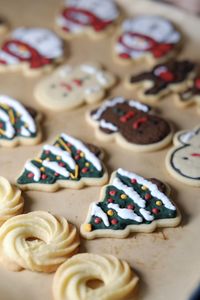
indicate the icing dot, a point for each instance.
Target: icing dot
{"x":123,"y":196}
{"x":87,"y":164}
{"x":58,"y":157}
{"x":147,"y":196}
{"x":133,"y":180}
{"x":110,"y":200}
{"x":110,"y":212}
{"x":82,"y":154}
{"x":56,"y":174}
{"x":30,"y":175}
{"x":155,"y":211}
{"x":159,"y":203}
{"x":112,"y":193}
{"x":84,"y":170}
{"x":77,"y":157}
{"x":97,"y":220}
{"x":44,"y":176}
{"x":87,"y":227}
{"x":47,"y":152}
{"x":42,"y":169}
{"x":114,"y":221}
{"x":197,"y":83}
{"x":144,"y":188}
{"x":61,"y":164}
{"x":130,"y":206}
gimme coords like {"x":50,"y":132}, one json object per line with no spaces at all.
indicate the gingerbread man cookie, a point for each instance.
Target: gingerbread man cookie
{"x":18,"y":124}
{"x":69,"y":87}
{"x":130,"y":203}
{"x":183,"y":161}
{"x":67,"y":163}
{"x":131,"y":124}
{"x":150,"y":39}
{"x":163,"y":79}
{"x":95,"y":18}
{"x":31,"y":49}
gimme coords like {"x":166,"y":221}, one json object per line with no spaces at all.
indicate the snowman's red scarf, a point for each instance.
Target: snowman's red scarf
{"x":36,"y":60}
{"x":91,"y":20}
{"x":157,"y":49}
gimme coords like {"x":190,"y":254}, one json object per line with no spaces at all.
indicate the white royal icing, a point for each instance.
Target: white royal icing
{"x":55,"y":167}
{"x":66,"y":157}
{"x":125,"y":213}
{"x":98,"y":212}
{"x":101,"y":78}
{"x":151,"y":186}
{"x":88,"y":154}
{"x":88,"y":69}
{"x":108,"y":125}
{"x":32,"y":168}
{"x":93,"y":90}
{"x":9,"y":131}
{"x":186,"y":137}
{"x":146,"y":214}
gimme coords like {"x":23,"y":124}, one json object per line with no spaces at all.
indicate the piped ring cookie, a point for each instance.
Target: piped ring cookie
{"x":71,"y":281}
{"x":11,"y":201}
{"x":37,"y":241}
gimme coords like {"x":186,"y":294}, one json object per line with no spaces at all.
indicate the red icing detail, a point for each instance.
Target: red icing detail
{"x":161,"y":50}
{"x":197,"y":83}
{"x":110,"y":200}
{"x":77,"y":82}
{"x":30,"y":175}
{"x":77,"y":157}
{"x":147,"y":196}
{"x":195,"y":154}
{"x":44,"y":176}
{"x":1,"y":125}
{"x":127,"y":116}
{"x":61,"y":164}
{"x":167,"y":76}
{"x":3,"y":62}
{"x":84,"y":170}
{"x":125,"y":55}
{"x":67,"y":86}
{"x":155,"y":211}
{"x":56,"y":174}
{"x":133,"y":180}
{"x":114,"y":221}
{"x":112,"y":193}
{"x":97,"y":220}
{"x":130,"y":206}
{"x":47,"y":152}
{"x":140,"y":121}
{"x":35,"y":59}
{"x":65,"y":29}
{"x":70,"y":13}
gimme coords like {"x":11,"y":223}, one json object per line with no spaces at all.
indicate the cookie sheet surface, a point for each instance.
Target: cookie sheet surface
{"x":167,"y":261}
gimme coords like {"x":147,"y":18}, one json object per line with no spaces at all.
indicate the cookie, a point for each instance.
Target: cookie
{"x":37,"y":241}
{"x":191,"y":94}
{"x":162,"y":80}
{"x":183,"y":160}
{"x":31,"y":49}
{"x":146,"y":39}
{"x":11,"y":200}
{"x":130,"y":203}
{"x":69,"y":87}
{"x":68,"y":163}
{"x":94,"y":18}
{"x":130,"y":124}
{"x":18,"y":124}
{"x":72,"y":278}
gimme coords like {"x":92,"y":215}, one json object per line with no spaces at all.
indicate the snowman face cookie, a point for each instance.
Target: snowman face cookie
{"x":32,"y":49}
{"x":150,"y":38}
{"x":69,"y":86}
{"x":93,"y":17}
{"x":183,"y":161}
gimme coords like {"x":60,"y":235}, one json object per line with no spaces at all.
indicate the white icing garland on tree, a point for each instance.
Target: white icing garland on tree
{"x":98,"y":212}
{"x":125,"y":213}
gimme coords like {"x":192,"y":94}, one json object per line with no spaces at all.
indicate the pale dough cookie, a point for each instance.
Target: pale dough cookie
{"x":183,"y":161}
{"x":130,"y":203}
{"x":68,"y":163}
{"x":18,"y":124}
{"x":131,"y":124}
{"x":163,"y":79}
{"x":11,"y":200}
{"x":72,"y":278}
{"x":37,"y":241}
{"x":31,"y":49}
{"x":69,"y":87}
{"x":95,"y":18}
{"x":151,"y":39}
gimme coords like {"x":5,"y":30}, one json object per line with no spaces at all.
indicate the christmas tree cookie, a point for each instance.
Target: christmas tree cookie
{"x":130,"y":203}
{"x":18,"y":124}
{"x":68,"y":163}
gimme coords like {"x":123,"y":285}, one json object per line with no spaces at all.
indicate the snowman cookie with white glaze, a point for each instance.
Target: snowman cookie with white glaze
{"x":152,"y":39}
{"x":95,"y":18}
{"x":69,"y":87}
{"x":183,"y":161}
{"x":30,"y":49}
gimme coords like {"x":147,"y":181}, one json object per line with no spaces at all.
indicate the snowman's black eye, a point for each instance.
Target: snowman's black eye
{"x":52,"y":86}
{"x":64,"y":94}
{"x":184,"y":157}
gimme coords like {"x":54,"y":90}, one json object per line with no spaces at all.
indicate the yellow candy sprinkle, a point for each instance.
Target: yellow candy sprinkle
{"x":110,"y":212}
{"x":47,"y":159}
{"x":87,"y":164}
{"x":87,"y":227}
{"x":123,"y":196}
{"x":159,"y":203}
{"x":58,"y":157}
{"x":82,"y":154}
{"x":42,"y":169}
{"x":144,"y":188}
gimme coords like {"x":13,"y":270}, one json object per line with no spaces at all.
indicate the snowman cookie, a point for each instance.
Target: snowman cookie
{"x":183,"y":161}
{"x":18,"y":124}
{"x":163,"y":79}
{"x":151,"y":39}
{"x":69,"y":87}
{"x":95,"y":18}
{"x":32,"y":49}
{"x":130,"y":124}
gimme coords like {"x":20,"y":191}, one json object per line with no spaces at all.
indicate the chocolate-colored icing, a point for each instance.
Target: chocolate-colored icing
{"x":163,"y":75}
{"x":153,"y":130}
{"x":161,"y":186}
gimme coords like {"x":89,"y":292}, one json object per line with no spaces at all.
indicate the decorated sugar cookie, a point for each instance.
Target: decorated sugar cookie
{"x":183,"y":161}
{"x":130,"y":203}
{"x":147,"y":38}
{"x":31,"y":49}
{"x":18,"y":124}
{"x":70,"y":86}
{"x":92,"y":17}
{"x":71,"y":278}
{"x":68,"y":163}
{"x":131,"y":124}
{"x":162,"y":79}
{"x":11,"y":200}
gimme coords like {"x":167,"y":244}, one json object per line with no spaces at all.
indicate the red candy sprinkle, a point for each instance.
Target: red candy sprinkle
{"x":130,"y":206}
{"x":1,"y":125}
{"x":167,"y":76}
{"x":133,"y":180}
{"x":155,"y":211}
{"x":112,"y":193}
{"x":197,"y":83}
{"x":30,"y":175}
{"x":125,"y":55}
{"x":77,"y":157}
{"x":44,"y":176}
{"x":97,"y":220}
{"x":147,"y":196}
{"x":110,"y":200}
{"x":61,"y":164}
{"x":56,"y":174}
{"x":84,"y":170}
{"x":47,"y":151}
{"x":114,"y":221}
